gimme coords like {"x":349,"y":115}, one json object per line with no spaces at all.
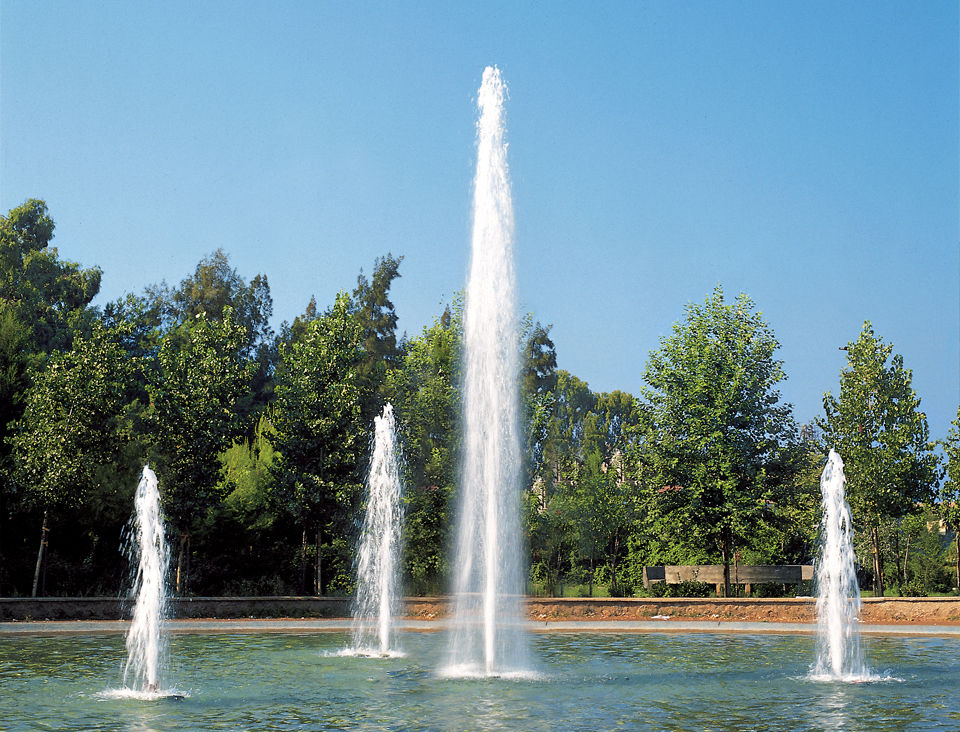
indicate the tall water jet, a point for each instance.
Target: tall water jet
{"x":378,"y":561}
{"x":146,"y":641}
{"x":488,"y":637}
{"x":838,"y":595}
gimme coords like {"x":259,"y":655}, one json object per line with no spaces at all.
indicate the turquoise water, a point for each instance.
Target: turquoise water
{"x":588,"y":681}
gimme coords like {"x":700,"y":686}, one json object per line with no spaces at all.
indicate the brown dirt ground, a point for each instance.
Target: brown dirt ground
{"x":886,"y":611}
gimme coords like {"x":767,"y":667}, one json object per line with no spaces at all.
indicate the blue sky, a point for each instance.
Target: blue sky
{"x":801,"y":152}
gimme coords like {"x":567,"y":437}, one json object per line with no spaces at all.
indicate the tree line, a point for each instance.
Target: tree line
{"x":260,"y":440}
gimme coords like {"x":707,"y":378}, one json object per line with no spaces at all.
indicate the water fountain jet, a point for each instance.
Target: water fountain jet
{"x":488,"y":638}
{"x":378,"y":560}
{"x":839,"y":656}
{"x":146,"y":641}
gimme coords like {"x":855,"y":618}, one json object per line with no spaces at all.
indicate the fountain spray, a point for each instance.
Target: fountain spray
{"x":838,"y":595}
{"x":146,"y":642}
{"x":488,"y":638}
{"x":378,"y":561}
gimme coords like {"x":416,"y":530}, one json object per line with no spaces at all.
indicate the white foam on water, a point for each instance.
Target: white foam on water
{"x":141,"y":695}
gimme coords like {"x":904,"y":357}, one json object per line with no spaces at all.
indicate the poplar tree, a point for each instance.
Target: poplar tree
{"x":73,"y":424}
{"x":877,"y":427}
{"x":424,"y":390}
{"x":371,"y":305}
{"x":320,"y":435}
{"x":43,"y":305}
{"x":950,"y":497}
{"x":199,"y":376}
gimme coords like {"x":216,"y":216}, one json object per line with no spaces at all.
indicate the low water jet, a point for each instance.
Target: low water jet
{"x":146,"y":641}
{"x":378,"y":560}
{"x":839,"y":656}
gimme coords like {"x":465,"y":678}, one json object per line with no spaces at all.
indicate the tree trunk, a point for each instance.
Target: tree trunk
{"x":956,"y":538}
{"x":41,"y":554}
{"x":183,"y":562}
{"x":906,"y":558}
{"x":736,"y":575}
{"x":878,"y":588}
{"x":725,"y":553}
{"x":43,"y":574}
{"x":303,"y":562}
{"x":560,"y":571}
{"x":318,"y":582}
{"x":590,"y":581}
{"x":613,"y":565}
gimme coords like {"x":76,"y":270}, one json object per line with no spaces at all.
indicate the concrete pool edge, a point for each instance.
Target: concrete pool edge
{"x":256,"y":625}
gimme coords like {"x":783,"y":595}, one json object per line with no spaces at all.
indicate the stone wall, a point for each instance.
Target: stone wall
{"x":103,"y":608}
{"x":917,"y":610}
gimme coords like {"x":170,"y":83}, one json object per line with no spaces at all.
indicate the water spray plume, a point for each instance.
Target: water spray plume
{"x":148,"y":549}
{"x":378,"y":556}
{"x":839,"y":656}
{"x":488,"y":638}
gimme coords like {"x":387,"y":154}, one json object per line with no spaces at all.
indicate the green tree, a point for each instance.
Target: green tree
{"x":374,"y":310}
{"x":950,"y":496}
{"x":537,"y":384}
{"x":47,"y":294}
{"x":876,"y":426}
{"x":73,"y":423}
{"x":247,"y":554}
{"x":43,"y":303}
{"x":320,"y":434}
{"x":424,"y":390}
{"x":247,"y":476}
{"x":557,"y":538}
{"x":200,"y":374}
{"x":213,"y":287}
{"x":716,"y":424}
{"x":608,"y":495}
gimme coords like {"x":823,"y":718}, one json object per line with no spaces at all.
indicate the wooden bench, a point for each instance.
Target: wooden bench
{"x":740,"y":574}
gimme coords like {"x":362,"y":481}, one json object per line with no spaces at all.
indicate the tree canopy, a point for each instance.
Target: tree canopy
{"x":261,"y":440}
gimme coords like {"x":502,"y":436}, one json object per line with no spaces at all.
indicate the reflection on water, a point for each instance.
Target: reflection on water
{"x":589,"y":681}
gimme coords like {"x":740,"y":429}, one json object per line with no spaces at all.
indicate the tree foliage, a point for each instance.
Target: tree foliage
{"x":74,"y":418}
{"x":877,"y":427}
{"x":423,"y":389}
{"x":950,"y":495}
{"x":48,"y":295}
{"x":374,"y":310}
{"x":200,"y":375}
{"x":320,"y":434}
{"x":261,"y":440}
{"x":214,"y":286}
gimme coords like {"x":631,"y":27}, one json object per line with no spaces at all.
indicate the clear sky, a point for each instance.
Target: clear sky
{"x":805,"y":153}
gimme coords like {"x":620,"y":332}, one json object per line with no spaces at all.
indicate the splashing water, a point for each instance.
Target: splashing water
{"x":487,"y":637}
{"x":377,"y":566}
{"x":146,"y":641}
{"x":838,"y":595}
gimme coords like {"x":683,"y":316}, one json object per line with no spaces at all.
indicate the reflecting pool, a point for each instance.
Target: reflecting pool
{"x":587,"y":681}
